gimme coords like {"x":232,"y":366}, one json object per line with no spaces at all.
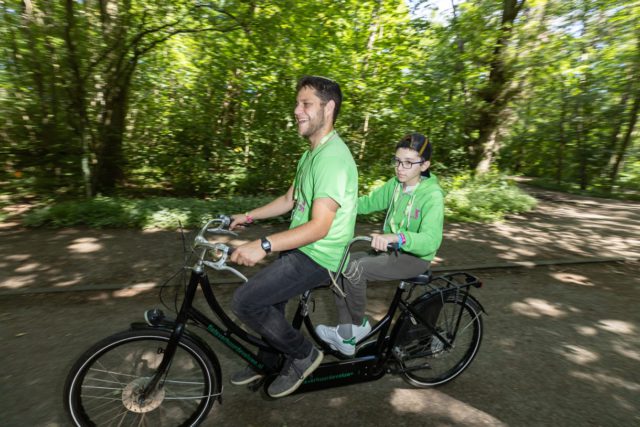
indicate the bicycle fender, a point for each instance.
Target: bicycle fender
{"x":194,"y":339}
{"x":476,"y":302}
{"x":435,"y":293}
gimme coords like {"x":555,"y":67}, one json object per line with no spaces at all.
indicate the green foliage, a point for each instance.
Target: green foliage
{"x":195,"y":99}
{"x":487,"y":198}
{"x":484,"y":198}
{"x":159,"y":212}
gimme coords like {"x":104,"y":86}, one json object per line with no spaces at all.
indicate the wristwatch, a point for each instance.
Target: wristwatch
{"x":266,"y":245}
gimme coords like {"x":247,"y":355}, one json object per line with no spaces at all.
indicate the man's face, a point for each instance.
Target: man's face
{"x":309,"y":112}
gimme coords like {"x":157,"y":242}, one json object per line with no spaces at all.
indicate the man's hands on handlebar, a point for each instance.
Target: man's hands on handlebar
{"x":248,"y":254}
{"x":381,"y":242}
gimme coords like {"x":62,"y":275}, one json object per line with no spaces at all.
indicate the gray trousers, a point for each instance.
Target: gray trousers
{"x":260,"y":303}
{"x":364,"y":267}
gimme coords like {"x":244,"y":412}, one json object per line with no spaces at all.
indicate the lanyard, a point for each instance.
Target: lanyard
{"x":407,"y":211}
{"x":307,"y":162}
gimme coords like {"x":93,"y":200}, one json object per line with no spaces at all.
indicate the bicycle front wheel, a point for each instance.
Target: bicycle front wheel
{"x":424,"y":359}
{"x":104,"y":386}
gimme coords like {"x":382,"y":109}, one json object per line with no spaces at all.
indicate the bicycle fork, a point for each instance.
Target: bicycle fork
{"x":176,"y":335}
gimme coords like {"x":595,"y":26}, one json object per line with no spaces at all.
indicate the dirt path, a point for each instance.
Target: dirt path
{"x":561,"y":229}
{"x":561,"y":345}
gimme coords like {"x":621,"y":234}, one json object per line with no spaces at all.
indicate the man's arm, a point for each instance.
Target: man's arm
{"x":279,"y":206}
{"x":323,"y":211}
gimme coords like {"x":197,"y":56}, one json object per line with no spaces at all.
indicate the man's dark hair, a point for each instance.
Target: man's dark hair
{"x":420,"y":143}
{"x":326,"y":89}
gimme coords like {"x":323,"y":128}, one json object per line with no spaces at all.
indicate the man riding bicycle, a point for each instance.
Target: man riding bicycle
{"x":323,"y":198}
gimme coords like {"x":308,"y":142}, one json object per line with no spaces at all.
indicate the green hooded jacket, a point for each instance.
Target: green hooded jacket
{"x":419,"y":215}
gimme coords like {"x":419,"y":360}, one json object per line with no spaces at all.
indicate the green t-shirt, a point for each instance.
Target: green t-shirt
{"x":327,"y":171}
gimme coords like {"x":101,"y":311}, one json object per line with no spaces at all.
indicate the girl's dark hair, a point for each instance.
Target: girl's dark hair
{"x":420,"y":143}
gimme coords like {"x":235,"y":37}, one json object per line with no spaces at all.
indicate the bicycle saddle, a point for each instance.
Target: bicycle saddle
{"x":422,"y":279}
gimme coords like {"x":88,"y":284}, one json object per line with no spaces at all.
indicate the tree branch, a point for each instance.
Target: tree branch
{"x":141,"y":51}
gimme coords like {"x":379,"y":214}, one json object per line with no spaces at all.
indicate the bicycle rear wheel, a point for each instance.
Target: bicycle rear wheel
{"x":103,"y":387}
{"x":424,"y":359}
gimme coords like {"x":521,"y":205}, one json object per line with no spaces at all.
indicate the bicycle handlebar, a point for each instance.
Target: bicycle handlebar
{"x":221,"y":251}
{"x":390,"y":247}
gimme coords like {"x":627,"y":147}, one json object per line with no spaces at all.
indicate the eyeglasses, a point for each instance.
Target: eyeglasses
{"x":406,"y":164}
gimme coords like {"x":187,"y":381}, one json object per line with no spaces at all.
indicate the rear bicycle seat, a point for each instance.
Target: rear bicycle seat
{"x":422,"y":279}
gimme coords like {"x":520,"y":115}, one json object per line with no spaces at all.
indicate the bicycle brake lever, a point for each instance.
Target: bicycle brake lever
{"x":219,"y":230}
{"x":219,"y":265}
{"x":236,"y":272}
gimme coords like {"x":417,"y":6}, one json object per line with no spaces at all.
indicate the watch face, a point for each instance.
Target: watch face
{"x":266,"y":245}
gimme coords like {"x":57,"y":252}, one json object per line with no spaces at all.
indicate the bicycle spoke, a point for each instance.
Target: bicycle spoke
{"x":118,"y":409}
{"x":108,"y":390}
{"x":426,"y":359}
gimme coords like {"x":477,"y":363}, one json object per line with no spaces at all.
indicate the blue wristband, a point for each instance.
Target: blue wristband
{"x":399,"y":240}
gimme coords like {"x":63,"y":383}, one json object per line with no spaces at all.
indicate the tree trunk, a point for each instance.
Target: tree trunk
{"x":111,"y":129}
{"x":626,"y":141}
{"x":230,"y":107}
{"x":494,"y":97}
{"x":79,"y":119}
{"x":562,"y":138}
{"x":374,"y":26}
{"x":45,"y":135}
{"x":618,"y":157}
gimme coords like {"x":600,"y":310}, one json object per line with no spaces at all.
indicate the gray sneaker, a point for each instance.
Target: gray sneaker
{"x":245,"y":376}
{"x":293,"y":374}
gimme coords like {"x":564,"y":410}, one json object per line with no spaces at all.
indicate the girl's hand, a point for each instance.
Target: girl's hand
{"x":379,"y":242}
{"x":237,"y":220}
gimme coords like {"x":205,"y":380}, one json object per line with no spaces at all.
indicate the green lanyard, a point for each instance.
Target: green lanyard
{"x":407,"y":210}
{"x":307,"y":162}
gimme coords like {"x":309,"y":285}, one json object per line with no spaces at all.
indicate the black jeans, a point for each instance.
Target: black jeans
{"x":260,"y":302}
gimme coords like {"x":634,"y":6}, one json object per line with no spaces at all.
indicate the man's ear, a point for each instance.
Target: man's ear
{"x":425,"y":165}
{"x":330,"y":107}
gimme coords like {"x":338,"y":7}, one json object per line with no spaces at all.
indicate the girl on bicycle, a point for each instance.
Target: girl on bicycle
{"x":415,"y":213}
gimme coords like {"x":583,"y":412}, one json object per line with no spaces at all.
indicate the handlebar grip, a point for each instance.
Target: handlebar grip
{"x":226,"y":220}
{"x":393,"y":247}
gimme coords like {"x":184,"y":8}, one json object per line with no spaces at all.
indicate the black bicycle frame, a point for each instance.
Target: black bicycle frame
{"x":370,"y":364}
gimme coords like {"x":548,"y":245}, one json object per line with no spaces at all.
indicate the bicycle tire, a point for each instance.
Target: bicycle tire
{"x":424,"y":360}
{"x":100,"y":389}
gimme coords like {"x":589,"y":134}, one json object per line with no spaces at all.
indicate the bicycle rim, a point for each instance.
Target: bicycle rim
{"x":103,"y":388}
{"x":425,"y":361}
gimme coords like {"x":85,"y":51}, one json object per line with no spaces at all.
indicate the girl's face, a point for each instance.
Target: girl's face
{"x":408,"y":157}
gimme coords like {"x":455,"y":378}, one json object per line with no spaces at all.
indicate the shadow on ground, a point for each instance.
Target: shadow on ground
{"x":561,"y":347}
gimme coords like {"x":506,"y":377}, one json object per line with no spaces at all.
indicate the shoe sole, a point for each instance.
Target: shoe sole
{"x":306,"y":373}
{"x":335,"y":347}
{"x":247,"y":380}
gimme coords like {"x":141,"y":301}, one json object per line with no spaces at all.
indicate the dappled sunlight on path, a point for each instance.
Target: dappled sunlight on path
{"x":78,"y":258}
{"x":553,"y":231}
